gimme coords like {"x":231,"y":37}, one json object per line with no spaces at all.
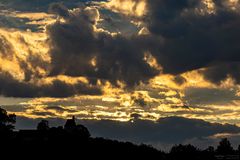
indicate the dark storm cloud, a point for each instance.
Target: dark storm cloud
{"x":182,"y":39}
{"x":223,"y":71}
{"x":75,"y":43}
{"x":38,"y":5}
{"x":11,"y":87}
{"x":210,"y":96}
{"x":59,"y":9}
{"x":179,"y":80}
{"x":8,"y":21}
{"x":194,"y":40}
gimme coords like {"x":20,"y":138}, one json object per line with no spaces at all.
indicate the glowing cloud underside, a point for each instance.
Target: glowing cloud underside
{"x":27,"y":60}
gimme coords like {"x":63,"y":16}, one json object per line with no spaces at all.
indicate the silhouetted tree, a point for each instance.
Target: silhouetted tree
{"x":187,"y":152}
{"x":238,"y":150}
{"x":208,"y":153}
{"x":224,"y":147}
{"x":82,"y":131}
{"x":6,"y":121}
{"x":43,"y":125}
{"x":210,"y":149}
{"x":78,"y":130}
{"x":72,"y":134}
{"x":70,"y":124}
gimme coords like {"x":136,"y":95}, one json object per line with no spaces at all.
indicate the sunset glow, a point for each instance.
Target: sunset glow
{"x":121,"y":60}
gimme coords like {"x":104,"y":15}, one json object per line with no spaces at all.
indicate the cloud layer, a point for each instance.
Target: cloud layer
{"x":171,"y":37}
{"x":154,"y":58}
{"x":162,"y":134}
{"x":79,"y":48}
{"x":197,"y":36}
{"x":184,"y":35}
{"x":57,"y":88}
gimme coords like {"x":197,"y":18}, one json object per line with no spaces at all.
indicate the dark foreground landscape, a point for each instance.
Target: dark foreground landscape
{"x":74,"y":140}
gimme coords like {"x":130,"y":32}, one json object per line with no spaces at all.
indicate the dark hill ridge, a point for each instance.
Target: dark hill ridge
{"x":74,"y":141}
{"x":163,"y":130}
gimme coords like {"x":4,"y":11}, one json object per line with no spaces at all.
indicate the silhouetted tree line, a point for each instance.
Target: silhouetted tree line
{"x":75,"y":140}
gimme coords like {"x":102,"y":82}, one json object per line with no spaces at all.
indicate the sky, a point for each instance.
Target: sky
{"x":155,"y":71}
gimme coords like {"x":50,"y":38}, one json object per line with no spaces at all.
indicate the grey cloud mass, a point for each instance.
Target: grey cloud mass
{"x":37,"y":5}
{"x":194,"y":40}
{"x":181,"y":38}
{"x":210,"y":96}
{"x":11,"y":87}
{"x":75,"y":43}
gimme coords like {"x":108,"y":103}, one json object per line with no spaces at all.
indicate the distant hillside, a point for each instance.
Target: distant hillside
{"x":74,"y":140}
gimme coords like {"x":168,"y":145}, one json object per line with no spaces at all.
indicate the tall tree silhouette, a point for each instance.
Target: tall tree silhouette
{"x":186,"y":152}
{"x":43,"y":125}
{"x":79,"y":130}
{"x":7,"y":121}
{"x":225,"y":147}
{"x":238,"y":150}
{"x":70,"y":124}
